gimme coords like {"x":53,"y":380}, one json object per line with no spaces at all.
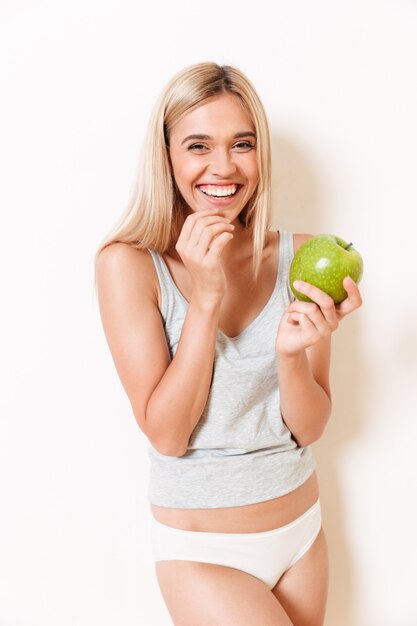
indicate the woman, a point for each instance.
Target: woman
{"x":201,"y":323}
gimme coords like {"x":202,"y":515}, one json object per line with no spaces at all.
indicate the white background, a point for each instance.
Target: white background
{"x":338,"y":80}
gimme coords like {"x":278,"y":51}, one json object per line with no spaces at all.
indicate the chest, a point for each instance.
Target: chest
{"x":245,"y":297}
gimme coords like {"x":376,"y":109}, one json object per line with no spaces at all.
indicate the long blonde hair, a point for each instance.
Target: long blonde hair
{"x":156,"y":210}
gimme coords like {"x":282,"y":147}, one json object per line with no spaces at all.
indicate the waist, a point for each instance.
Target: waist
{"x":212,"y":482}
{"x":257,"y":517}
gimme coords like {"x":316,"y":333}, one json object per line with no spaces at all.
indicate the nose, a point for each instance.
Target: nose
{"x":222,"y":163}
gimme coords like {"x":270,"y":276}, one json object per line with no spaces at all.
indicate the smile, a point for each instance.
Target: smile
{"x":219,"y":191}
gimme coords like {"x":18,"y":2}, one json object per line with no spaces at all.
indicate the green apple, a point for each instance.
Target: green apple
{"x":324,"y":261}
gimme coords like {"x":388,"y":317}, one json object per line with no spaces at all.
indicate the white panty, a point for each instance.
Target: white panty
{"x":266,"y":555}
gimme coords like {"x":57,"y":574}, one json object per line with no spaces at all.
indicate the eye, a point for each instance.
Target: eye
{"x":244,"y":146}
{"x":197,"y":147}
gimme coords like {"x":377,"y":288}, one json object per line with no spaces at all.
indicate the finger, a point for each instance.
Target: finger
{"x":204,"y":225}
{"x":353,"y":300}
{"x":311,"y":333}
{"x":315,"y":314}
{"x":217,"y":245}
{"x":293,"y":318}
{"x":197,"y":221}
{"x":209,"y":234}
{"x":188,"y":225}
{"x":299,"y":306}
{"x":322,"y":299}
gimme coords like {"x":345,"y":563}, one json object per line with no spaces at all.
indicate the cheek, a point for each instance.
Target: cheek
{"x":177,"y":171}
{"x":250,"y":166}
{"x":254,"y":172}
{"x":185,"y":172}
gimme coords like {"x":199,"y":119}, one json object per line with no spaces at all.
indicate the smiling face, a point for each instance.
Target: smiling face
{"x":213,"y":156}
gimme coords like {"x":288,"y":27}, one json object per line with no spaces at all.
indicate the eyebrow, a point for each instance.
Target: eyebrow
{"x":244,"y":133}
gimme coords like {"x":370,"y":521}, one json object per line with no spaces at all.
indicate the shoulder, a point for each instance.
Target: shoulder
{"x":122,"y":264}
{"x":119,"y":252}
{"x":299,"y":239}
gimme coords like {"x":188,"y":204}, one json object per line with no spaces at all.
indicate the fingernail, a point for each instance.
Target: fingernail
{"x":298,"y":283}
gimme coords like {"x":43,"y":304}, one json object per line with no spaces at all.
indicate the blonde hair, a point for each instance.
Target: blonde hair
{"x":156,"y":211}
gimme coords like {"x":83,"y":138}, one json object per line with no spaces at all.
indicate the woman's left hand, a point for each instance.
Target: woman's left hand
{"x":305,"y":323}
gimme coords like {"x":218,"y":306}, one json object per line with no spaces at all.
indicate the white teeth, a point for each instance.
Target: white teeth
{"x":214,"y":190}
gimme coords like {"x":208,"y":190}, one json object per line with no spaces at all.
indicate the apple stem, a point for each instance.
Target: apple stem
{"x":349,"y":246}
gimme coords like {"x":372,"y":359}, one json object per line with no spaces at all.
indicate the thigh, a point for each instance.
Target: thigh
{"x":302,"y":590}
{"x":204,"y":594}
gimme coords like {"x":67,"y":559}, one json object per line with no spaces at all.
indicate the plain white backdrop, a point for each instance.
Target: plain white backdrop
{"x":78,"y":80}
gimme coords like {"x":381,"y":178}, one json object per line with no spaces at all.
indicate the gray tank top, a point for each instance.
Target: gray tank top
{"x":240,"y":451}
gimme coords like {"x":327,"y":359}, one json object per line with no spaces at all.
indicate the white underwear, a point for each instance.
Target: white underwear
{"x":266,"y":555}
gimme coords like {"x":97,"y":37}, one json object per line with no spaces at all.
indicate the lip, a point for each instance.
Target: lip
{"x":220,"y":201}
{"x":224,"y":184}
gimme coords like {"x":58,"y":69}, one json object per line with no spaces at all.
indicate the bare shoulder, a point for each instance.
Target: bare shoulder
{"x":299,"y":239}
{"x":120,"y":261}
{"x":121,"y":253}
{"x":132,"y":323}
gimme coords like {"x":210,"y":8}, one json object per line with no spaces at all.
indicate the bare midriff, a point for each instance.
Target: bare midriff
{"x":249,"y":518}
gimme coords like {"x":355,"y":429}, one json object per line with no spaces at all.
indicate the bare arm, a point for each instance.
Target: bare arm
{"x":177,"y":403}
{"x":167,"y":396}
{"x":303,"y":358}
{"x":305,"y":391}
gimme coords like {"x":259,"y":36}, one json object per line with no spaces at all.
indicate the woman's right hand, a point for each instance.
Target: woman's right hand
{"x":201,"y":242}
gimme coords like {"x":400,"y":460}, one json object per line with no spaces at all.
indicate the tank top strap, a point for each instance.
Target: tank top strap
{"x":286,"y":253}
{"x":160,"y":266}
{"x":165,"y":282}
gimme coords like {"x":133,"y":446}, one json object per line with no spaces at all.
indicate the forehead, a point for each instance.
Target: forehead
{"x":223,"y":112}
